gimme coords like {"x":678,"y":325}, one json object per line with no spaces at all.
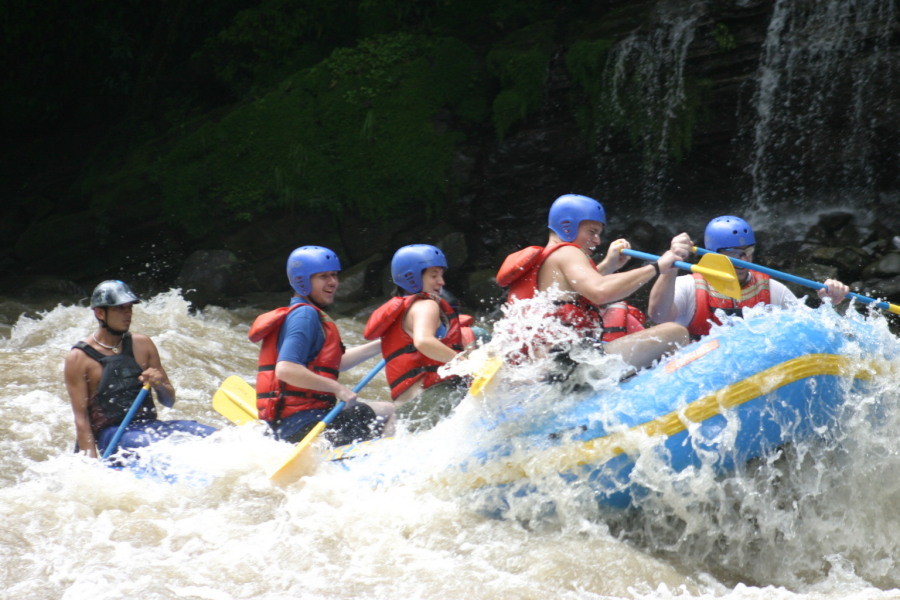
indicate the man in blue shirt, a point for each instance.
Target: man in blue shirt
{"x":302,"y":355}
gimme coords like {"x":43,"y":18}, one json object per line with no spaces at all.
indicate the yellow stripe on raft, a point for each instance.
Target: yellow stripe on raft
{"x":599,"y":450}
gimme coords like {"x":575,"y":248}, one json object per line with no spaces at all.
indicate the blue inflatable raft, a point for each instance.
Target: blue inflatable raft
{"x":750,"y":387}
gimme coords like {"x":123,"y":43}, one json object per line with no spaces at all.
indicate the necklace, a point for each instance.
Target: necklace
{"x":115,"y":349}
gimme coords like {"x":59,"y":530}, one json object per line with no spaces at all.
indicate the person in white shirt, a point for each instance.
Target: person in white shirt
{"x":690,"y":301}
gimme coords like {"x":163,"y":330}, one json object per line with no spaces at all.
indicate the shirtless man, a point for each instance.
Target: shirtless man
{"x":105,"y":371}
{"x":576,"y":224}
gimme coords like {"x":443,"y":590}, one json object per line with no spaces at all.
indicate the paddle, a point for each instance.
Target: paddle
{"x":716,"y":268}
{"x":718,"y":271}
{"x":114,"y":442}
{"x":894,"y":308}
{"x":485,"y":373}
{"x":236,"y":401}
{"x":291,"y":469}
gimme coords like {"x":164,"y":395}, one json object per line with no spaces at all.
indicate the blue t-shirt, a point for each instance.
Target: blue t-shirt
{"x":301,"y":337}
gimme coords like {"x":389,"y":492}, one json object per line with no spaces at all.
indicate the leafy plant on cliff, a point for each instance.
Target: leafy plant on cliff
{"x":723,"y":37}
{"x":586,"y":61}
{"x":357,"y":132}
{"x":273,"y":39}
{"x":520,"y":64}
{"x":626,"y":94}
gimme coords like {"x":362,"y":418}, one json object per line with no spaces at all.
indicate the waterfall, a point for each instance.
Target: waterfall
{"x":803,"y":106}
{"x":823,"y":89}
{"x":645,"y":90}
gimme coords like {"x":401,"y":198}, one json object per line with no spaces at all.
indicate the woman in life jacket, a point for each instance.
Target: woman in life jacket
{"x":419,"y":331}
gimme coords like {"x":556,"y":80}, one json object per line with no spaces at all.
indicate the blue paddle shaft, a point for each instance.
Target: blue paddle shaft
{"x":334,"y":412}
{"x":652,"y":257}
{"x":362,"y":383}
{"x":795,"y":279}
{"x":113,"y":443}
{"x":369,"y":377}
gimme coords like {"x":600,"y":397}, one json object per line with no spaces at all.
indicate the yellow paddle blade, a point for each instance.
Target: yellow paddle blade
{"x":485,"y":374}
{"x":302,"y":460}
{"x":236,"y":401}
{"x":719,"y":272}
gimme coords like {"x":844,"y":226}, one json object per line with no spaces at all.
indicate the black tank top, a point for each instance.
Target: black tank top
{"x":119,"y":386}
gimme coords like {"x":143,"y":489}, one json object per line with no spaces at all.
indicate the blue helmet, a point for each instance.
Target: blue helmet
{"x":728,"y":232}
{"x":306,"y":261}
{"x":568,"y":211}
{"x":409,"y":262}
{"x":112,"y":292}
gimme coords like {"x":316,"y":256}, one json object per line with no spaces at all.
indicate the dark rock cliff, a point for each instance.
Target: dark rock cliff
{"x":761,"y":108}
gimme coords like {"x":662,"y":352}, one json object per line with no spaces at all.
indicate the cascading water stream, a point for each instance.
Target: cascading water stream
{"x":644,"y":90}
{"x":811,"y":123}
{"x":826,"y":70}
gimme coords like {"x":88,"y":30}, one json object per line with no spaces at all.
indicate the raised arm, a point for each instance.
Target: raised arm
{"x":147,"y":355}
{"x":662,"y":307}
{"x":614,"y":259}
{"x":569,"y":268}
{"x":358,"y":354}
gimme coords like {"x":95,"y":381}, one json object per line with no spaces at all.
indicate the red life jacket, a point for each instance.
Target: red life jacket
{"x":276,"y":399}
{"x":406,"y":365}
{"x":621,"y":318}
{"x":520,"y":271}
{"x":755,"y":291}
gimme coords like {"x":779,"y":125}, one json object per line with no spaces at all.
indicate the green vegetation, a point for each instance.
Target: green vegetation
{"x":620,"y":97}
{"x":357,"y":132}
{"x":265,"y":43}
{"x":586,"y":62}
{"x":520,"y":64}
{"x":723,"y":37}
{"x":226,"y":112}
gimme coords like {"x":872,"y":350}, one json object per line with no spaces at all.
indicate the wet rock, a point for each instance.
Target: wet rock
{"x":353,"y":287}
{"x":47,"y":288}
{"x":209,"y":277}
{"x":846,"y":260}
{"x":885,"y":288}
{"x":455,"y":249}
{"x":483,"y":292}
{"x":886,"y":266}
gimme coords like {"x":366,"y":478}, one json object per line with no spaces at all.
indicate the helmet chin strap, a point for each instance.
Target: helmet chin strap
{"x":115,"y":332}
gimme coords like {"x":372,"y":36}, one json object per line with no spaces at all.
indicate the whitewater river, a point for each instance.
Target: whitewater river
{"x":814,"y":524}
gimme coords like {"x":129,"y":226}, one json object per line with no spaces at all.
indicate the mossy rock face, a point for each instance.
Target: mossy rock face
{"x":520,"y":63}
{"x":357,"y":133}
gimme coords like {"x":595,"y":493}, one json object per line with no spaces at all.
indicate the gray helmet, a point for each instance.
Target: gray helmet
{"x":112,"y":293}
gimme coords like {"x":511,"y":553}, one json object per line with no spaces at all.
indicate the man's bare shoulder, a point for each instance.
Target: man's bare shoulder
{"x":143,"y":347}
{"x":76,"y":361}
{"x":140,"y":338}
{"x":567,"y":255}
{"x":76,"y":353}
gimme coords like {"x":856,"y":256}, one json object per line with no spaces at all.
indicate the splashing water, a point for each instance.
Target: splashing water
{"x":815,"y":521}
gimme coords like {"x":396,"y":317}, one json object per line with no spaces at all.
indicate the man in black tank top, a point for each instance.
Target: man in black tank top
{"x":105,"y":371}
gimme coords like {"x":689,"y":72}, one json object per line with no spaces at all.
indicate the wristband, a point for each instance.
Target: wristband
{"x":655,"y":265}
